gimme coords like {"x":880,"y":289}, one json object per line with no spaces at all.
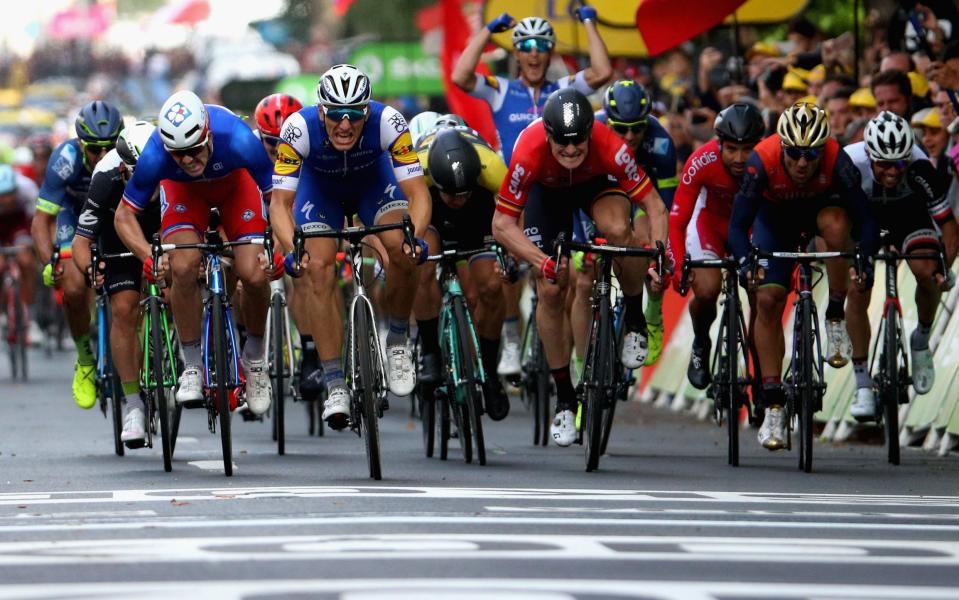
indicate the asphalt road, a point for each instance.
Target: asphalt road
{"x":664,"y":518}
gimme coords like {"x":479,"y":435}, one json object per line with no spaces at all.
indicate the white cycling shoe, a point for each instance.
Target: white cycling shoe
{"x":563,"y":428}
{"x":401,"y":376}
{"x":336,"y":408}
{"x":259,"y":392}
{"x":190,"y":386}
{"x":864,"y":404}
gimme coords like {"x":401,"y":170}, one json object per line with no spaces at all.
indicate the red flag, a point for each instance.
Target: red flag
{"x":456,"y":33}
{"x":665,"y":24}
{"x":341,"y":7}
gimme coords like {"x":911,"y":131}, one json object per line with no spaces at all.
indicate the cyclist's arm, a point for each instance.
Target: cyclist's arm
{"x":926,"y":183}
{"x":684,"y":202}
{"x":464,"y":71}
{"x":507,"y":231}
{"x":129,"y":231}
{"x":281,"y":217}
{"x":255,"y":159}
{"x":286,"y":178}
{"x":600,"y":70}
{"x":848,"y":183}
{"x":658,"y":216}
{"x":513,"y":194}
{"x":395,"y":139}
{"x":41,"y":229}
{"x":746,"y":207}
{"x":80,"y":248}
{"x":51,"y":199}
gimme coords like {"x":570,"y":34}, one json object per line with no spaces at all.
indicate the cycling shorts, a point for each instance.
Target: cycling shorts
{"x":551,"y":211}
{"x":185,"y":205}
{"x":469,"y":227}
{"x":323,"y":202}
{"x":706,"y":235}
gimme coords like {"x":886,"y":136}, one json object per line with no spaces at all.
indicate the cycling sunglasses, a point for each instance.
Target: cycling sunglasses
{"x":345,"y":112}
{"x":574,"y":140}
{"x":807,"y":153}
{"x":635,"y":126}
{"x":539,"y":44}
{"x":890,"y":164}
{"x":98,"y":147}
{"x":271,"y":140}
{"x":192,"y":151}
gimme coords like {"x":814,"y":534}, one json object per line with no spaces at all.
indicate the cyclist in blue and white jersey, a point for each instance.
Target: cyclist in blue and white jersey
{"x":62,"y":195}
{"x":346,"y":155}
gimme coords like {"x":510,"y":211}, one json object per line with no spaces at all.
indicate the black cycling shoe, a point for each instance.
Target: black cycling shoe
{"x":429,"y":369}
{"x":698,"y":369}
{"x":496,"y":400}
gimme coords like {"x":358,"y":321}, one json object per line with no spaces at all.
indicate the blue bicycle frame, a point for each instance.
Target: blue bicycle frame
{"x":217,"y":286}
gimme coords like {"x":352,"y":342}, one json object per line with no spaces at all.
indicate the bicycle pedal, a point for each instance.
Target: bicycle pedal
{"x":135,"y":444}
{"x":191,"y":404}
{"x":337,"y":422}
{"x":248,"y":415}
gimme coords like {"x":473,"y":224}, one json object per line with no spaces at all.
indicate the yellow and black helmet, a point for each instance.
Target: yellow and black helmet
{"x":803,"y":125}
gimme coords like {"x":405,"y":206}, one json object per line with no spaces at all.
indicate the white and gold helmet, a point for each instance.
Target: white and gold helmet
{"x":803,"y":125}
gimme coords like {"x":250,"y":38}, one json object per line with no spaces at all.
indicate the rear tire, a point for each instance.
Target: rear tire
{"x":890,"y":396}
{"x":278,"y":370}
{"x":368,"y":389}
{"x":468,"y":358}
{"x":158,"y":357}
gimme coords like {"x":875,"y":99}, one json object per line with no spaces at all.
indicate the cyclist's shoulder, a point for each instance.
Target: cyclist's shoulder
{"x":66,"y":162}
{"x":703,"y":165}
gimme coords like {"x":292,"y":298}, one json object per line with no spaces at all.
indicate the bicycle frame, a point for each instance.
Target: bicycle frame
{"x":216,"y":285}
{"x":147,"y":380}
{"x":450,"y":283}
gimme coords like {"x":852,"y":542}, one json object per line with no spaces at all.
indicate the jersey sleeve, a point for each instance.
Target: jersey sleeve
{"x":61,"y":167}
{"x":847,"y":183}
{"x":681,"y":212}
{"x":293,"y":147}
{"x":578,"y":82}
{"x":928,"y":185}
{"x":252,"y":156}
{"x":147,"y":176}
{"x":96,"y":206}
{"x":491,"y":89}
{"x":395,"y":138}
{"x":631,"y":177}
{"x":514,"y":191}
{"x":746,"y":206}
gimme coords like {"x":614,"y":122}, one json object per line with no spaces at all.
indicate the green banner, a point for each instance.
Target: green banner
{"x":399,"y":69}
{"x":301,"y":87}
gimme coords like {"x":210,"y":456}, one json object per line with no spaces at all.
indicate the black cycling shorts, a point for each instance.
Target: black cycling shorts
{"x":550,"y":211}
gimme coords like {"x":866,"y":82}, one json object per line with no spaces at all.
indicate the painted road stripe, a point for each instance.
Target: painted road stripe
{"x":779,"y":514}
{"x":468,"y":546}
{"x":472,"y":589}
{"x":456,"y":493}
{"x":203,"y":522}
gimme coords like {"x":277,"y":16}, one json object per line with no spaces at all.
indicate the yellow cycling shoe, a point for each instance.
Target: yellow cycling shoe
{"x":84,"y":385}
{"x":654,"y":342}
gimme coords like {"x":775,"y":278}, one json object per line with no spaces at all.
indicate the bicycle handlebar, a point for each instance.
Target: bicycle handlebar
{"x":858,"y":258}
{"x":729,"y":263}
{"x":599,"y":246}
{"x":351,"y":234}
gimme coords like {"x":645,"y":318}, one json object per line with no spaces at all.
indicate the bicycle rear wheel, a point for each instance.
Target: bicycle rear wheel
{"x":598,"y":377}
{"x":365,"y":346}
{"x":159,"y":365}
{"x":807,"y":388}
{"x":469,"y":358}
{"x":442,"y":403}
{"x":277,"y":370}
{"x":427,"y":410}
{"x":890,"y":395}
{"x":221,"y":385}
{"x":733,"y":333}
{"x":20,"y":331}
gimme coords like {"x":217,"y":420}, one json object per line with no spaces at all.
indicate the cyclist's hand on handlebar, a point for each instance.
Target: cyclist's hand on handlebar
{"x":553,"y":272}
{"x":678,"y":283}
{"x":161,"y":269}
{"x":275,"y":271}
{"x":419,"y":252}
{"x":746,"y":276}
{"x":52,"y":277}
{"x":291,"y":267}
{"x":88,"y":275}
{"x":656,"y":283}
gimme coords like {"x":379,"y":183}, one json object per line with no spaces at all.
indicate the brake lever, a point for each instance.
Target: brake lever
{"x":660,"y":259}
{"x":684,"y":278}
{"x":297,"y":247}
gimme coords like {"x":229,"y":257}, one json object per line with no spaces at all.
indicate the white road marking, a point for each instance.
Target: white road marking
{"x":910,"y":516}
{"x":86,"y":515}
{"x":437,"y":588}
{"x":458,"y":493}
{"x":469,"y":546}
{"x":203,"y":522}
{"x":209,"y":465}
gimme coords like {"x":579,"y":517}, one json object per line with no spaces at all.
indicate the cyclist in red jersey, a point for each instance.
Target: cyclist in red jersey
{"x":578,"y":165}
{"x":699,"y":218}
{"x":797,"y":181}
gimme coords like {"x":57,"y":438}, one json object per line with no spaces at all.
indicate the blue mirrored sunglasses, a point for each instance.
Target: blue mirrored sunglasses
{"x":807,"y":153}
{"x":528,"y":44}
{"x":339,"y":113}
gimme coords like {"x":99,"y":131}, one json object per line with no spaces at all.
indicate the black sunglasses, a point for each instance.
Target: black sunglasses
{"x":575,"y":140}
{"x":807,"y":153}
{"x":622,"y":128}
{"x":192,"y":151}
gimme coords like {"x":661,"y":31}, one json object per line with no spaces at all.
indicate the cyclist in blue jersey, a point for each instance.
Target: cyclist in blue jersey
{"x":61,"y":199}
{"x":346,"y":155}
{"x":518,"y":102}
{"x":202,"y":157}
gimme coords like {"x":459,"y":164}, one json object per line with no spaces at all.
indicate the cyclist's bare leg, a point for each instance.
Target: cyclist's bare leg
{"x":256,"y":288}
{"x":124,"y":341}
{"x":27,"y":261}
{"x":489,"y":306}
{"x":927,"y":290}
{"x":428,"y":299}
{"x":770,"y":341}
{"x":551,"y":317}
{"x":401,"y":277}
{"x":706,"y":285}
{"x":76,"y":300}
{"x":857,"y":321}
{"x":611,"y":214}
{"x":581,"y":310}
{"x":323,"y":317}
{"x":834,"y":228}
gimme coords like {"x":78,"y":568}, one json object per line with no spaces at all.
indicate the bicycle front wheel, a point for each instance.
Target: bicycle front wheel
{"x":116,"y":412}
{"x":808,"y":388}
{"x":222,"y":378}
{"x":597,"y":385}
{"x":278,"y":369}
{"x":365,"y":347}
{"x":159,"y":365}
{"x":890,"y":396}
{"x":468,"y":358}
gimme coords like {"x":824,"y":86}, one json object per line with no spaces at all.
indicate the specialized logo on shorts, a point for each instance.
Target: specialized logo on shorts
{"x":177,"y":114}
{"x":248,"y":215}
{"x":699,"y":163}
{"x":389,"y":190}
{"x":625,"y":158}
{"x":287,"y":160}
{"x":402,"y":150}
{"x":180,"y":208}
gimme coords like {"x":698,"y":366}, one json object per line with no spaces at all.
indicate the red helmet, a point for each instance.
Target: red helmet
{"x":273,"y":110}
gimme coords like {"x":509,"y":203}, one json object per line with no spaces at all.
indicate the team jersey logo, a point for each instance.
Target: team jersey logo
{"x":177,"y":114}
{"x":402,"y":150}
{"x":625,"y":158}
{"x":287,"y":160}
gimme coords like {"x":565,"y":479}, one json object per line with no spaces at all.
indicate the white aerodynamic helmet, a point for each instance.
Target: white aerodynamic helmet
{"x":132,"y":141}
{"x":888,"y":137}
{"x":344,"y":85}
{"x":533,"y":27}
{"x":183,"y":121}
{"x":422,"y":124}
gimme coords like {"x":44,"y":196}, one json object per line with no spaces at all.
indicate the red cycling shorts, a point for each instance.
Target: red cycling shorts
{"x":185,"y":205}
